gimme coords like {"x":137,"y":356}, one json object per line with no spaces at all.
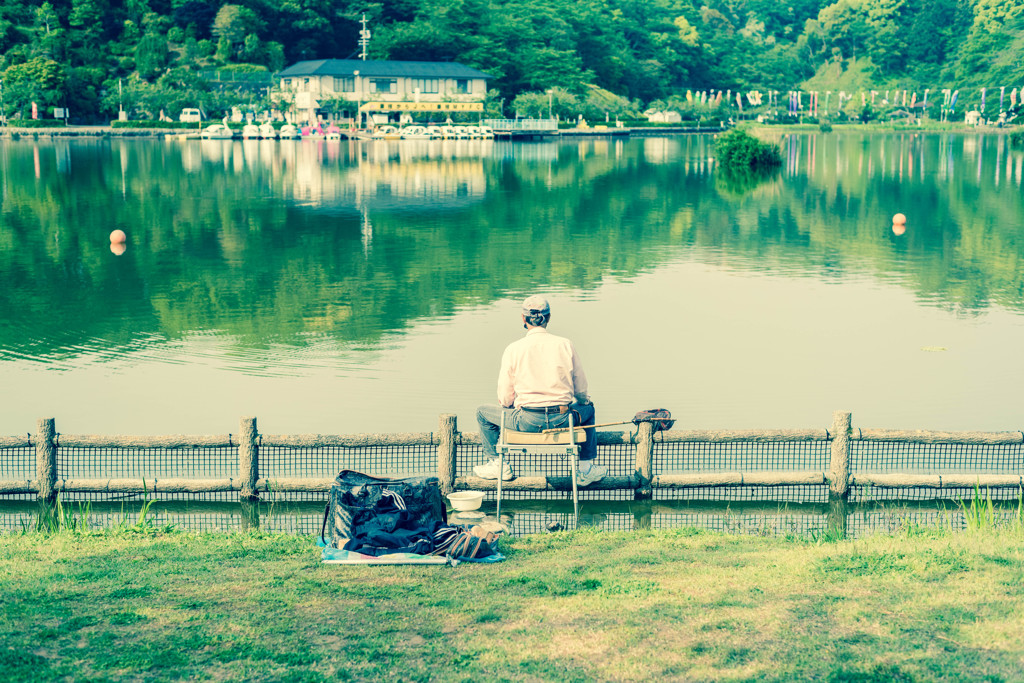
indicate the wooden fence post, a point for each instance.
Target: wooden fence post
{"x":836,"y":521}
{"x":248,"y":459}
{"x":839,"y":465}
{"x":644,"y":460}
{"x":46,"y":459}
{"x":642,"y":516}
{"x":447,"y":431}
{"x":250,"y":515}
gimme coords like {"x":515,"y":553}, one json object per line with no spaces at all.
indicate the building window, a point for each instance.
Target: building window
{"x":426,"y":85}
{"x":345,"y":84}
{"x":383,"y":85}
{"x":463,"y":86}
{"x":287,"y":82}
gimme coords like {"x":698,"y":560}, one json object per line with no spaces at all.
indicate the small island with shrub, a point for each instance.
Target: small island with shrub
{"x":739,"y":151}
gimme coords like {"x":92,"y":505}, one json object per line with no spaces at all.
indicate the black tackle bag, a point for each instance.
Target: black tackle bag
{"x":379,"y":515}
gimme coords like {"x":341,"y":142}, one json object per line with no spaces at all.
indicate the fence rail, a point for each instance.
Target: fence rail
{"x":641,"y":461}
{"x":259,"y":77}
{"x":521,"y":125}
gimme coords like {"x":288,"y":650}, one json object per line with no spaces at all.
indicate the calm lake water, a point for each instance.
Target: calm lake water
{"x":371,"y":286}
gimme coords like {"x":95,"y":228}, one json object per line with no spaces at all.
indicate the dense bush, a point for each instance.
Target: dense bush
{"x":149,"y":123}
{"x":744,"y":161}
{"x":35,"y":123}
{"x":1017,"y":139}
{"x":739,"y":150}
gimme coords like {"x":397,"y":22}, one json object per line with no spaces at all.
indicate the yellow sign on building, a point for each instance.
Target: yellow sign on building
{"x":422,"y":106}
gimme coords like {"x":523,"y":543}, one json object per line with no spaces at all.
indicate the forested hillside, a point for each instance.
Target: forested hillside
{"x":93,"y":56}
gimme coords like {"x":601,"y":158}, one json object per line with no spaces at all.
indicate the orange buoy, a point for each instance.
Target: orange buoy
{"x":118,"y":237}
{"x":899,"y":219}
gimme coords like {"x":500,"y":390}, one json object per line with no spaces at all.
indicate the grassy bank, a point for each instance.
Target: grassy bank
{"x":679,"y":605}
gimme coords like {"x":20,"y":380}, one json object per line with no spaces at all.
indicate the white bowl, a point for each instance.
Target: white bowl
{"x":466,"y":500}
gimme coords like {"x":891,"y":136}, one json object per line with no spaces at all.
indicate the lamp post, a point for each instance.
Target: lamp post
{"x":359,"y":98}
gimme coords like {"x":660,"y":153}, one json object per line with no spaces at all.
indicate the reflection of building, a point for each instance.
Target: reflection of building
{"x":379,"y":175}
{"x":386,"y":177}
{"x":337,"y":89}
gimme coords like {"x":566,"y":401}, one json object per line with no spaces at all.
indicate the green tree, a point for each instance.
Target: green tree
{"x":886,"y":40}
{"x":536,"y":105}
{"x":600,"y":105}
{"x":38,"y":80}
{"x":273,"y":55}
{"x":49,"y":35}
{"x":844,"y":27}
{"x":82,"y":89}
{"x":231,"y":26}
{"x":225,"y":50}
{"x":86,"y":18}
{"x":151,"y":55}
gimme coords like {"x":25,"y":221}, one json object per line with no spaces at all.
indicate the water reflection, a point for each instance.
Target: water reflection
{"x":262,"y":257}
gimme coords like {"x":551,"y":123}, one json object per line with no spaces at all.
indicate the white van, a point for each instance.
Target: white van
{"x":190,"y":116}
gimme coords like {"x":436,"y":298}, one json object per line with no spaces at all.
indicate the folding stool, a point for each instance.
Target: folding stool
{"x":565,"y":443}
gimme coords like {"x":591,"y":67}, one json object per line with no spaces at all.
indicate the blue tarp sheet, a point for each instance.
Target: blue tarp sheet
{"x":336,"y":556}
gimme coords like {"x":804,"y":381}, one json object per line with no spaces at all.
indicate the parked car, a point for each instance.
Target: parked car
{"x":190,"y":116}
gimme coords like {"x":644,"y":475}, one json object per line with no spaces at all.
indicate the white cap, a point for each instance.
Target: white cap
{"x":536,"y":305}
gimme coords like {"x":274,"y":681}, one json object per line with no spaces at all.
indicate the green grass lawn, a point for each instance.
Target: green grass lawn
{"x":571,"y":606}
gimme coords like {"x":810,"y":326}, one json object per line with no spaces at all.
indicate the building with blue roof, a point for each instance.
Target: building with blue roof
{"x":350,"y":90}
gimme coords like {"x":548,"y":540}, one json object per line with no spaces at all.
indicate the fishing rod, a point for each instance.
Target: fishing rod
{"x":661,"y":418}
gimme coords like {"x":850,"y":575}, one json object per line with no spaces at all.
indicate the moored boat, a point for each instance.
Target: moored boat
{"x":289,"y":131}
{"x":267,"y":131}
{"x":386,"y":133}
{"x":217,"y":131}
{"x":414,"y":133}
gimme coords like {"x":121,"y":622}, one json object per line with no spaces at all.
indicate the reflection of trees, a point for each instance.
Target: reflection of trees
{"x":961,"y":194}
{"x":264,"y":240}
{"x":738,"y":181}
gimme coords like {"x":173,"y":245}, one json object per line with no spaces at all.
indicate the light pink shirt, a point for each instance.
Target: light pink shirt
{"x":541,"y":369}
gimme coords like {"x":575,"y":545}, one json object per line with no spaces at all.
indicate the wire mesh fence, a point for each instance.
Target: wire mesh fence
{"x":17,"y":463}
{"x":78,"y":462}
{"x":871,"y":494}
{"x":684,"y":454}
{"x":757,"y":523}
{"x":739,"y":494}
{"x":894,"y":519}
{"x":136,"y":496}
{"x":328,"y":461}
{"x":740,"y":456}
{"x":466,"y":456}
{"x":936,"y":458}
{"x":861,"y":521}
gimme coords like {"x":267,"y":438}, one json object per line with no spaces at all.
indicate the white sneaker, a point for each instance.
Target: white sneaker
{"x":586,"y":476}
{"x":489,"y":470}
